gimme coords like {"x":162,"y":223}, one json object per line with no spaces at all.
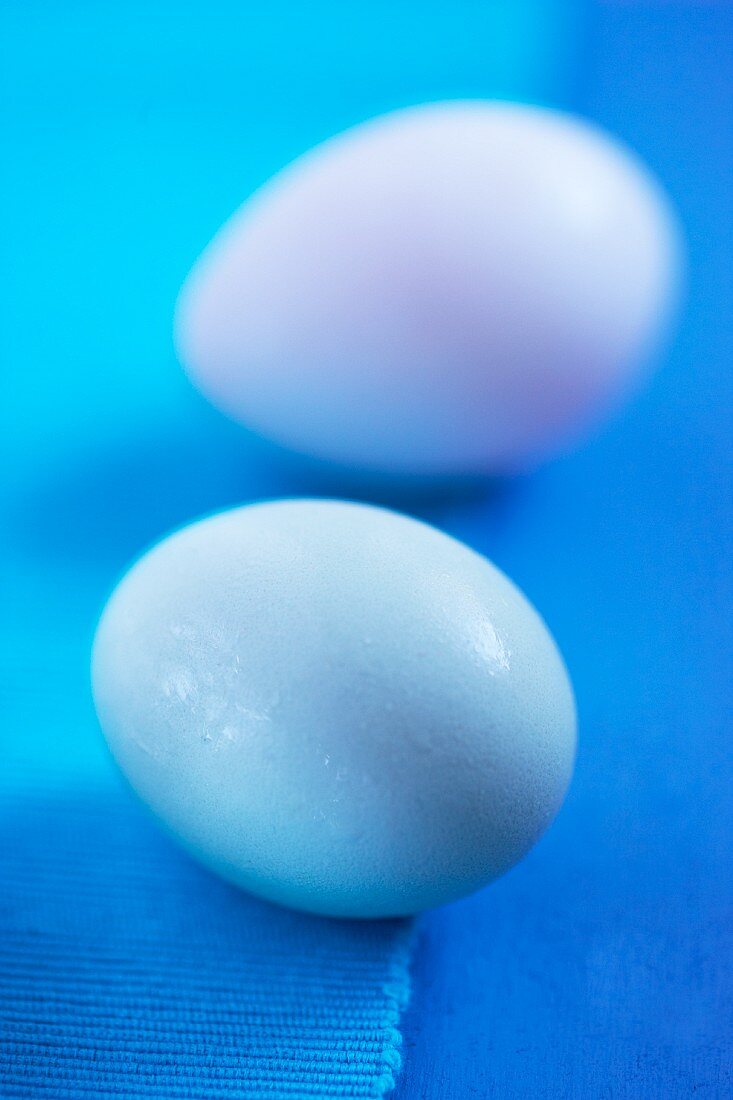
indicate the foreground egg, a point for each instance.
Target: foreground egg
{"x":456,"y":288}
{"x":334,"y":706}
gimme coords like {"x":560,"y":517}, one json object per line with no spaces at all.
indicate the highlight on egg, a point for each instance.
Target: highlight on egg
{"x":335,"y":706}
{"x":455,"y":288}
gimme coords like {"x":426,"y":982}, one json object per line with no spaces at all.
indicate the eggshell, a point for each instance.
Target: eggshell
{"x":455,"y":288}
{"x":335,"y":706}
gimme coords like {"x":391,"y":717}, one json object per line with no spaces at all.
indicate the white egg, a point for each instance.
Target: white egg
{"x":335,"y":706}
{"x":454,"y":288}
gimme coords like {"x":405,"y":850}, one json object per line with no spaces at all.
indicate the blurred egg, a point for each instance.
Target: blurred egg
{"x":455,"y":288}
{"x":335,"y":706}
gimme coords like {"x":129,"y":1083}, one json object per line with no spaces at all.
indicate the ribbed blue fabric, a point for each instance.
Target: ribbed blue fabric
{"x":128,"y":971}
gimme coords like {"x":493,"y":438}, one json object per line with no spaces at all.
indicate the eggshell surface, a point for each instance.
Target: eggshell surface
{"x":454,"y":288}
{"x":335,"y":706}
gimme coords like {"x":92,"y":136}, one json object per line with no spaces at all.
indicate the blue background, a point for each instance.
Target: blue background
{"x":599,"y":967}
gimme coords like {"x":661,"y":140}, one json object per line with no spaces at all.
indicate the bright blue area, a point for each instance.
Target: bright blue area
{"x":597,"y":967}
{"x":128,"y":132}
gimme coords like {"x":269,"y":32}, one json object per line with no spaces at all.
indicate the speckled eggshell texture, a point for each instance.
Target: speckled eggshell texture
{"x":456,"y":288}
{"x":335,"y":706}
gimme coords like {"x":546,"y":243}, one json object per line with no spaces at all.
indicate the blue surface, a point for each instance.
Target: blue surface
{"x":598,"y":967}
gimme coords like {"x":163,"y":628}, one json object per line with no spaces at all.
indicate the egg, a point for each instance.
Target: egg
{"x":335,"y":706}
{"x":453,"y":289}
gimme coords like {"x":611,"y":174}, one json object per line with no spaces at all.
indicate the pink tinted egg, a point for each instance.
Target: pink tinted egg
{"x":455,"y":288}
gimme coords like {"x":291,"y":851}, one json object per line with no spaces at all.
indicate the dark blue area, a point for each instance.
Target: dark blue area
{"x":599,"y":967}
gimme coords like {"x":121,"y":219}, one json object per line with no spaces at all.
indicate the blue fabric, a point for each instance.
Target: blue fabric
{"x":129,"y":132}
{"x":128,"y":971}
{"x":599,"y":969}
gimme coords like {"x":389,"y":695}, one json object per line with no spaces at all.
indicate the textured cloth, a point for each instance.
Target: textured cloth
{"x":127,"y":970}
